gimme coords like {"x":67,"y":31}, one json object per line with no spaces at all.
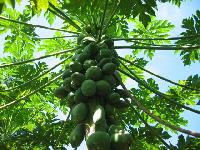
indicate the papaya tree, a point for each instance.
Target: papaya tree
{"x":88,"y":83}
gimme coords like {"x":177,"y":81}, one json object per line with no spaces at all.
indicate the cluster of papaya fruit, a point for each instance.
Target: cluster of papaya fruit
{"x":90,"y":90}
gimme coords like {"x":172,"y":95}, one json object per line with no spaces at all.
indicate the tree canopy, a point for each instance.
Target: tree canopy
{"x":29,"y":108}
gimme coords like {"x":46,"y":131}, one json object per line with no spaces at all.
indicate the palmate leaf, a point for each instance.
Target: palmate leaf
{"x":192,"y":27}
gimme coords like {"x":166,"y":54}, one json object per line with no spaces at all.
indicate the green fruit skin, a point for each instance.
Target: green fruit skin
{"x":67,"y":73}
{"x":88,"y":88}
{"x":82,"y":57}
{"x":67,"y":84}
{"x":75,"y":66}
{"x":79,"y":97}
{"x":89,"y":63}
{"x":101,"y":126}
{"x":113,"y":98}
{"x":116,"y":62}
{"x":79,"y":112}
{"x":77,"y":135}
{"x":93,"y":73}
{"x":103,"y":53}
{"x":80,"y":38}
{"x":70,"y":99}
{"x":121,"y":104}
{"x":91,"y":49}
{"x":110,"y":110}
{"x":122,"y":93}
{"x":103,"y":88}
{"x":109,"y":68}
{"x":109,"y":43}
{"x":98,"y":141}
{"x":60,"y":92}
{"x":111,"y":80}
{"x":103,"y":61}
{"x":99,"y":115}
{"x":114,"y":129}
{"x":77,"y":78}
{"x":102,"y":46}
{"x":120,"y":141}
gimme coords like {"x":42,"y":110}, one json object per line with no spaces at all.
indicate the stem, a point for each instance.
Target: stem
{"x":56,"y":14}
{"x":167,"y":124}
{"x":71,"y":22}
{"x":155,"y":91}
{"x":28,"y":95}
{"x":38,"y":26}
{"x":38,"y":58}
{"x":146,"y":124}
{"x":37,"y":77}
{"x":102,"y":20}
{"x":171,"y":38}
{"x":159,"y":47}
{"x":163,"y":78}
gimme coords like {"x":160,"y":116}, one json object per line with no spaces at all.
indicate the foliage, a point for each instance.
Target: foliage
{"x":33,"y":122}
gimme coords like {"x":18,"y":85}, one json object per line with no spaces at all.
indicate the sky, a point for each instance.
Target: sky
{"x":164,"y":63}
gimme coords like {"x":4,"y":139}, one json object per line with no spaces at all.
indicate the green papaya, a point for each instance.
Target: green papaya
{"x":87,"y":40}
{"x":82,"y":57}
{"x":121,"y":104}
{"x":79,"y":112}
{"x":67,"y":84}
{"x":101,"y":126}
{"x":103,"y":88}
{"x":121,"y":141}
{"x":98,"y":141}
{"x":91,"y":49}
{"x":114,"y":129}
{"x":93,"y":73}
{"x":75,"y":66}
{"x":122,"y":93}
{"x":103,"y":61}
{"x":60,"y":92}
{"x":110,"y":79}
{"x":104,"y":53}
{"x":109,"y":43}
{"x":109,"y":68}
{"x":99,"y":115}
{"x":77,"y":78}
{"x":79,"y":97}
{"x":77,"y":135}
{"x":67,"y":73}
{"x":89,"y":63}
{"x":102,"y":46}
{"x":113,"y":98}
{"x":109,"y":109}
{"x":116,"y":62}
{"x":88,"y":88}
{"x":74,"y":85}
{"x":70,"y":99}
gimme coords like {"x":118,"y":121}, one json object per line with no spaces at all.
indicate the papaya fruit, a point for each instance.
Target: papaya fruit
{"x":67,"y":84}
{"x":93,"y":73}
{"x":70,"y":99}
{"x":74,"y":85}
{"x":109,"y":109}
{"x":116,"y":62}
{"x":103,"y":53}
{"x":109,"y":43}
{"x":75,"y":66}
{"x":114,"y":129}
{"x":109,"y":68}
{"x":122,"y":93}
{"x":99,"y":115}
{"x":67,"y":73}
{"x":77,"y":78}
{"x":121,"y":141}
{"x":79,"y":112}
{"x":113,"y":98}
{"x":111,"y":80}
{"x":88,"y":88}
{"x":102,"y":46}
{"x":101,"y":126}
{"x":87,"y":40}
{"x":98,"y":141}
{"x":89,"y":63}
{"x":79,"y":97}
{"x":82,"y":57}
{"x":77,"y":135}
{"x":121,"y":104}
{"x":91,"y":49}
{"x":103,"y":61}
{"x":60,"y":92}
{"x":103,"y":88}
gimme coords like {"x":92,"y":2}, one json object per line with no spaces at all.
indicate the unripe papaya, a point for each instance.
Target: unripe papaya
{"x":60,"y":92}
{"x":109,"y":68}
{"x":79,"y":112}
{"x":99,"y":115}
{"x":75,"y":66}
{"x":103,"y":88}
{"x":67,"y":73}
{"x":77,"y":135}
{"x":78,"y":78}
{"x":67,"y":84}
{"x":79,"y":97}
{"x":88,"y":88}
{"x":98,"y":141}
{"x":93,"y":73}
{"x":89,"y":63}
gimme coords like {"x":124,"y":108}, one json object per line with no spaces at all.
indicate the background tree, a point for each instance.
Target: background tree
{"x":29,"y":107}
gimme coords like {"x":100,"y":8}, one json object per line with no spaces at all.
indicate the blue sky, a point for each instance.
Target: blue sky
{"x":165,"y":63}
